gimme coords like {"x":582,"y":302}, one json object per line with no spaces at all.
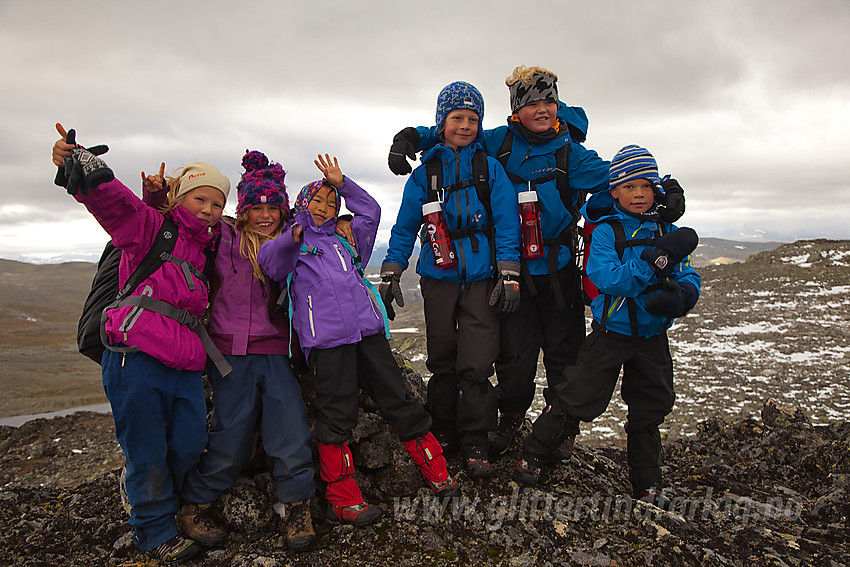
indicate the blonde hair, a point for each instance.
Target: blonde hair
{"x":173,"y":183}
{"x":524,"y":74}
{"x":251,"y":241}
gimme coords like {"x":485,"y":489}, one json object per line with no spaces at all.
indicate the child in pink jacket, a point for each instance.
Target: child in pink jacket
{"x":153,"y":361}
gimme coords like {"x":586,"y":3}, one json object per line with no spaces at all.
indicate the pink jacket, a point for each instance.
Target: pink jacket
{"x":133,"y":227}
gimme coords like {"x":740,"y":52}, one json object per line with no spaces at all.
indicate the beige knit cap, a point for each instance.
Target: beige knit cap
{"x":200,"y":174}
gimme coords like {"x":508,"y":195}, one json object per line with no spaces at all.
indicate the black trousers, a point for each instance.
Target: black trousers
{"x":340,"y":371}
{"x":587,"y":388}
{"x":463,"y":341}
{"x":539,"y":324}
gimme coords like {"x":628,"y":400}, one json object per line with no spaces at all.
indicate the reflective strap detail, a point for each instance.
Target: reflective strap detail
{"x":182,"y":316}
{"x":188,"y":270}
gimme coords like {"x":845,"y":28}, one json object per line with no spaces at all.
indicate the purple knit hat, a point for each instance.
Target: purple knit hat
{"x":262,"y":183}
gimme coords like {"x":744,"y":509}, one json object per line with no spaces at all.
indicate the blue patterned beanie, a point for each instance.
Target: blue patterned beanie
{"x":633,"y":162}
{"x":459,"y":95}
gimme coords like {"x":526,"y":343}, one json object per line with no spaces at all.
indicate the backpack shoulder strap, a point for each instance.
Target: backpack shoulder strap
{"x":434,"y":174}
{"x":161,"y":249}
{"x":505,"y":149}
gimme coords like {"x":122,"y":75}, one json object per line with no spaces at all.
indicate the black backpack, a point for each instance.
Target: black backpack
{"x":104,"y":287}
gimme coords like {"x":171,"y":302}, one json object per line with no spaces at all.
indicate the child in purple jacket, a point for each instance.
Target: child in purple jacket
{"x":341,"y":330}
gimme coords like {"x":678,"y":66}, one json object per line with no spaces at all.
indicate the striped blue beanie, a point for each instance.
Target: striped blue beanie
{"x":633,"y":162}
{"x":459,"y":95}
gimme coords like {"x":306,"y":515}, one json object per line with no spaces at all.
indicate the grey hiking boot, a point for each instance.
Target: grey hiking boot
{"x":298,"y":529}
{"x":500,"y":440}
{"x":176,"y":550}
{"x":195,"y":521}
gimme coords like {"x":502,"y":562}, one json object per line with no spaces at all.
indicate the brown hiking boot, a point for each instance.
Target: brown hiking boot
{"x":500,"y":440}
{"x":299,"y":527}
{"x":196,"y":522}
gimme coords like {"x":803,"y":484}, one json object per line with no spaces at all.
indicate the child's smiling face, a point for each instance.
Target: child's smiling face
{"x":635,"y":196}
{"x":460,"y":128}
{"x":323,"y":205}
{"x":263,"y":218}
{"x":538,"y":116}
{"x":205,"y":202}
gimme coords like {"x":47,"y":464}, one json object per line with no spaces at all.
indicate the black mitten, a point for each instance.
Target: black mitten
{"x":671,"y":249}
{"x":404,"y":146}
{"x":669,"y":302}
{"x":672,"y":207}
{"x":691,"y":294}
{"x":71,"y":174}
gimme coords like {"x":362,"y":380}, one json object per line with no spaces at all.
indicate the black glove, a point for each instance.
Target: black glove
{"x":83,"y":170}
{"x":670,"y":249}
{"x":389,"y":289}
{"x":668,"y":302}
{"x":505,"y":294}
{"x":673,"y":206}
{"x":674,"y":299}
{"x":404,"y":146}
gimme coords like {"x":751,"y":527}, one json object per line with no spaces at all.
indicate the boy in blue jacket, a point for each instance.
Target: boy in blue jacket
{"x":541,"y":149}
{"x":642,"y":268}
{"x":480,"y":210}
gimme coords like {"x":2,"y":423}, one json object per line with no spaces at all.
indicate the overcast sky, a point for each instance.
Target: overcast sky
{"x":746,"y":103}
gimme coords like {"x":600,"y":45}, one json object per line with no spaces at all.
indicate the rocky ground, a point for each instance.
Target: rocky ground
{"x":753,"y":482}
{"x":761,"y":491}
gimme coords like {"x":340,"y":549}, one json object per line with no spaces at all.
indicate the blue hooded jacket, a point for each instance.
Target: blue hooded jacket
{"x":462,"y":210}
{"x":621,"y":278}
{"x":588,"y":173}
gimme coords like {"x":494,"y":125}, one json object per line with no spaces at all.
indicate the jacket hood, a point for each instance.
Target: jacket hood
{"x":305,"y":219}
{"x":599,"y":207}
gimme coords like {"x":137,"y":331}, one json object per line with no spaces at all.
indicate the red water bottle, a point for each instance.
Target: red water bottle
{"x":438,"y":235}
{"x":532,"y":236}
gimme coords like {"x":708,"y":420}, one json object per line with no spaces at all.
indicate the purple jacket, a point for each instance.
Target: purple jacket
{"x":331,"y":306}
{"x":239,"y":317}
{"x":133,"y":226}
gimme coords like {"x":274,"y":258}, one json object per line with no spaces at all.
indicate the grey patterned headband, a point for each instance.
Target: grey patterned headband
{"x":542,"y":87}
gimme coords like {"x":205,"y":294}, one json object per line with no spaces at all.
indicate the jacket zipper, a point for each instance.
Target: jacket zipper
{"x":310,"y":314}
{"x":371,"y":302}
{"x":134,"y":314}
{"x":341,"y":258}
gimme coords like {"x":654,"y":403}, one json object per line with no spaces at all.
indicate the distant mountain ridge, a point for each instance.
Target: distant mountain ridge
{"x":709,"y":250}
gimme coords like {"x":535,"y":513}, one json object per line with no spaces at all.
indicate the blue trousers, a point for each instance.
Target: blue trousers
{"x":160,"y":422}
{"x":260,"y":387}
